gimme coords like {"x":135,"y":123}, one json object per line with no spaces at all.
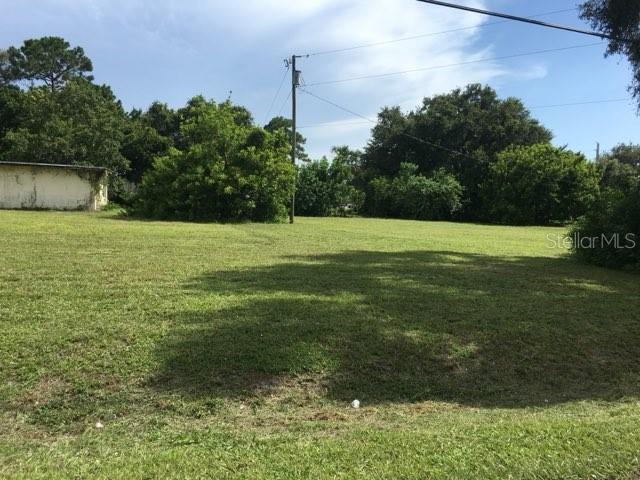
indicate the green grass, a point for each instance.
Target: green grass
{"x":234,"y":351}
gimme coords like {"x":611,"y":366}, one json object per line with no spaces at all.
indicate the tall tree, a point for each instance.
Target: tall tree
{"x":281,"y":123}
{"x":50,"y":60}
{"x":163,"y":119}
{"x":617,"y":175}
{"x":141,"y":146}
{"x":10,"y":108}
{"x":390,"y":144}
{"x":5,"y":68}
{"x":620,"y":20}
{"x":241,"y":115}
{"x":462,"y":132}
{"x":80,"y":124}
{"x":628,"y":154}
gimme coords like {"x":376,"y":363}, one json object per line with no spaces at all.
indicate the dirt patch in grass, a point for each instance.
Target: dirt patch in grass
{"x":47,"y":389}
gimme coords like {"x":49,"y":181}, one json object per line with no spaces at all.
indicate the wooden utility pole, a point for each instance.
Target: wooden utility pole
{"x":598,"y":152}
{"x":295,"y":82}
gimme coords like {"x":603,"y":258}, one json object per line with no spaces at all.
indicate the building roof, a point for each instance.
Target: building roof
{"x":55,"y":165}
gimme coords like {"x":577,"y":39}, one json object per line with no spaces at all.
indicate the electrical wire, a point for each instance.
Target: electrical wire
{"x":507,"y":18}
{"x":450,"y":65}
{"x":430,"y":34}
{"x":557,"y":105}
{"x":266,"y":117}
{"x":591,"y":102}
{"x":440,"y":147}
{"x":336,"y":123}
{"x":434,"y":145}
{"x":284,"y":103}
{"x":344,"y":109}
{"x":517,"y":18}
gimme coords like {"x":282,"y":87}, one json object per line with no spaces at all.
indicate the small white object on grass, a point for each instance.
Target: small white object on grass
{"x":99,"y":425}
{"x":355,"y":404}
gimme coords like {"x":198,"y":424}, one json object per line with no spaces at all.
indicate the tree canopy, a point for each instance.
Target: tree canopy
{"x":462,"y":155}
{"x":60,"y":115}
{"x":141,"y":145}
{"x":540,"y":184}
{"x":620,"y":20}
{"x":286,"y":124}
{"x":162,"y":119}
{"x":327,"y":188}
{"x":225,"y":170}
{"x":628,"y":154}
{"x":461,"y":131}
{"x":79,"y":124}
{"x":10,"y":109}
{"x":609,"y":233}
{"x":49,"y":60}
{"x":5,"y":68}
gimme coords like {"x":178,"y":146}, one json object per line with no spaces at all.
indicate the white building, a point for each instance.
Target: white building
{"x":52,"y":187}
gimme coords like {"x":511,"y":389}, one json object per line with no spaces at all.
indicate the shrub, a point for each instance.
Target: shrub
{"x":325,"y":188}
{"x":627,"y":154}
{"x":616,"y":174}
{"x":538,"y":185}
{"x":609,"y":234}
{"x":414,"y":196}
{"x":314,"y":190}
{"x":226,"y":171}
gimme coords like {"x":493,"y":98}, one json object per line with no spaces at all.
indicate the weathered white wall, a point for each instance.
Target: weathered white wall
{"x":49,"y":187}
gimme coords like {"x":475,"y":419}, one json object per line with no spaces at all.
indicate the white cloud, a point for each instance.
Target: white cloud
{"x":212,"y":46}
{"x":344,"y":131}
{"x":321,"y":25}
{"x":331,"y":24}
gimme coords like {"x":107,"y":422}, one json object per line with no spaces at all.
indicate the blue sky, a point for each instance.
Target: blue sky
{"x":171,"y":50}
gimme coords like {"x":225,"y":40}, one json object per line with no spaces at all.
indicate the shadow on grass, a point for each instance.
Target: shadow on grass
{"x":413,"y":326}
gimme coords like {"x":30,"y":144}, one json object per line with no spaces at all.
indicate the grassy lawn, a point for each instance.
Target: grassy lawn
{"x":234,"y":351}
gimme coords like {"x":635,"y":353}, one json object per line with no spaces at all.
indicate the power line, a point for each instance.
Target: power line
{"x":437,"y":67}
{"x":440,"y":147}
{"x":344,"y":109}
{"x":424,"y":35}
{"x":374,"y":122}
{"x":283,"y":104}
{"x":284,"y":77}
{"x":557,"y":105}
{"x":336,"y":123}
{"x":591,"y":102}
{"x":517,"y":18}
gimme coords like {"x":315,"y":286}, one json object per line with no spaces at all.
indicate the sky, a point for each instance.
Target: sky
{"x":171,"y":50}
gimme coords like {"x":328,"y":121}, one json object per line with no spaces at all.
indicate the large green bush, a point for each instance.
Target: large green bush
{"x":326,"y":188}
{"x":226,"y":171}
{"x":539,"y":184}
{"x":609,"y":234}
{"x":616,"y":174}
{"x":314,"y":190}
{"x":414,"y":196}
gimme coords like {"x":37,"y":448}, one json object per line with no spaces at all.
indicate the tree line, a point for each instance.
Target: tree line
{"x":204,"y":161}
{"x":467,"y":155}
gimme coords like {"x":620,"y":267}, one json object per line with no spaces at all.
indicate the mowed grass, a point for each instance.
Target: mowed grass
{"x":234,"y":351}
